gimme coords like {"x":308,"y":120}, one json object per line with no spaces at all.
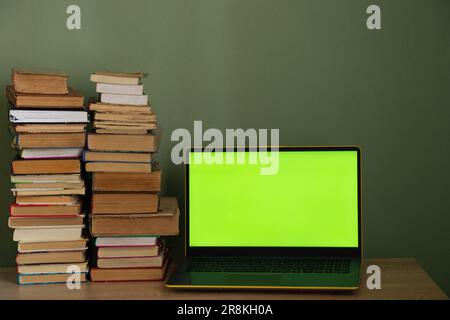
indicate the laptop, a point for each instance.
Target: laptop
{"x":296,"y":226}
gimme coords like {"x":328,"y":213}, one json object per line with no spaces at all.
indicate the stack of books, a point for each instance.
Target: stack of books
{"x":127,"y":216}
{"x":48,"y":122}
{"x":123,"y":107}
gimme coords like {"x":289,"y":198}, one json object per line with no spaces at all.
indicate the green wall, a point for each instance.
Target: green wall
{"x":310,"y":68}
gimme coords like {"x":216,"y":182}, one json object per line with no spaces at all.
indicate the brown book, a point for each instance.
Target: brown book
{"x":131,"y":118}
{"x":121,"y":203}
{"x":44,"y":210}
{"x":51,"y":140}
{"x":48,"y":166}
{"x":134,"y":262}
{"x":127,"y":252}
{"x":165,"y":222}
{"x":146,"y":182}
{"x":119,"y":108}
{"x":16,"y":222}
{"x":73,"y":245}
{"x":36,"y":81}
{"x":126,"y":197}
{"x":51,"y":268}
{"x":121,"y":131}
{"x":50,"y":200}
{"x":48,"y":278}
{"x":122,"y":142}
{"x":72,"y":100}
{"x":117,"y":126}
{"x":118,"y":167}
{"x":50,"y":257}
{"x":129,"y":274}
{"x":49,"y":128}
{"x":118,"y":156}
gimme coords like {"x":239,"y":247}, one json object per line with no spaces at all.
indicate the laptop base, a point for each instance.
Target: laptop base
{"x":182,"y":278}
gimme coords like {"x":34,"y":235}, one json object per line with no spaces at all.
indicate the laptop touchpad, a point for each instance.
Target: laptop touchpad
{"x":256,"y":279}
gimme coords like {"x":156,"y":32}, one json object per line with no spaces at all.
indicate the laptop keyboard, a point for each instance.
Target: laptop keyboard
{"x":269,"y":264}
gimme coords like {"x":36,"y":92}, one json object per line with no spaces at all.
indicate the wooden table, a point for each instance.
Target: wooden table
{"x":401,"y":278}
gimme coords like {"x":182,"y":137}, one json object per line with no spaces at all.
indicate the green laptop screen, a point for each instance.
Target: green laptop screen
{"x":310,"y":199}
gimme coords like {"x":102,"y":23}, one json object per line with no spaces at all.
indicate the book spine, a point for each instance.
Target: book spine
{"x":129,"y":246}
{"x":45,"y":216}
{"x":15,"y":141}
{"x":30,"y":205}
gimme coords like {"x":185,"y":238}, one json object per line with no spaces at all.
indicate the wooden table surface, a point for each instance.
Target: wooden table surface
{"x":401,"y":278}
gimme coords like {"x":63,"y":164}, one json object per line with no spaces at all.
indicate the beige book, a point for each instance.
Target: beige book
{"x":50,"y":200}
{"x":48,"y":192}
{"x":117,"y":77}
{"x":48,"y":185}
{"x":112,"y":125}
{"x":125,"y":117}
{"x":126,"y":252}
{"x":47,"y":234}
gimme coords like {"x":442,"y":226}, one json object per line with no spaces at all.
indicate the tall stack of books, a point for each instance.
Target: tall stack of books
{"x":48,"y":122}
{"x":127,"y":216}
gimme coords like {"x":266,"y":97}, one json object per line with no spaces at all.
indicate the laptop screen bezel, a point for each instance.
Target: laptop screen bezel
{"x":275,"y":251}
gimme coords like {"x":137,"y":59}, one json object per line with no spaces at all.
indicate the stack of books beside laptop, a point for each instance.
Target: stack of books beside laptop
{"x":126,"y":214}
{"x":48,"y":122}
